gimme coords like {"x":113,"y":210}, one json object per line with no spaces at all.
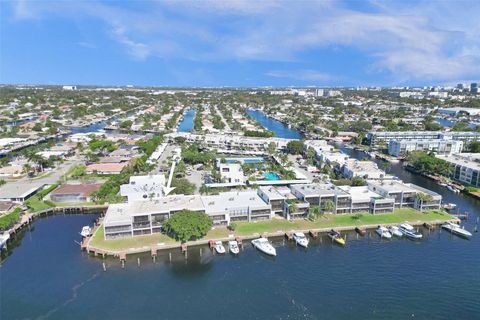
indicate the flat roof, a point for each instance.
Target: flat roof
{"x":360,"y":193}
{"x":470,"y":160}
{"x":317,"y":189}
{"x":166,"y":204}
{"x":392,"y":186}
{"x":271,"y":192}
{"x":226,"y":201}
{"x":19,"y":189}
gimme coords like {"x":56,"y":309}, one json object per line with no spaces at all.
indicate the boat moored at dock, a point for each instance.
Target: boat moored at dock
{"x":410,"y":231}
{"x":263,"y":245}
{"x":86,"y":231}
{"x":300,"y":239}
{"x":383,"y":232}
{"x":395,"y":231}
{"x":335,"y":236}
{"x":218,"y":246}
{"x":233,"y":247}
{"x":456,"y":229}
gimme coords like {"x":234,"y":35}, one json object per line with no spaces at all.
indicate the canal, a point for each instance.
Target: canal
{"x":278,"y":128}
{"x":186,"y":125}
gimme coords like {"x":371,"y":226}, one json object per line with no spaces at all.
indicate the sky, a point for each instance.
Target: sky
{"x":239,"y":42}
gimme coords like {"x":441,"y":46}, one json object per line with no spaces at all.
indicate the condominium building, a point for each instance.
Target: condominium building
{"x":405,"y":195}
{"x":376,"y":137}
{"x":232,"y":142}
{"x":143,"y":187}
{"x":466,"y":167}
{"x":439,"y":146}
{"x":365,"y":169}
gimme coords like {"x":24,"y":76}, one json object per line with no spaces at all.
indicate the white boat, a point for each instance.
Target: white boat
{"x":410,"y":231}
{"x":300,"y":239}
{"x":456,"y":229}
{"x":449,"y":206}
{"x":455,"y":190}
{"x":263,"y":245}
{"x":383,"y":232}
{"x":233,"y":247}
{"x":86,"y":231}
{"x":218,"y":246}
{"x":3,"y":240}
{"x":395,"y":231}
{"x":442,"y":184}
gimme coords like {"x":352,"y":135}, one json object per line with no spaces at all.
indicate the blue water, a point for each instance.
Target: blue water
{"x":187,"y":123}
{"x":279,"y":129}
{"x":91,"y":128}
{"x":271,"y":176}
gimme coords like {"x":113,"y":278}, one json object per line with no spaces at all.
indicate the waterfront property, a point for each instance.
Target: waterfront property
{"x":19,"y":191}
{"x":365,"y":200}
{"x":376,"y":137}
{"x":406,"y":194}
{"x":466,"y":167}
{"x":365,"y":169}
{"x":439,"y":146}
{"x":74,"y":192}
{"x":146,"y":217}
{"x":272,"y":196}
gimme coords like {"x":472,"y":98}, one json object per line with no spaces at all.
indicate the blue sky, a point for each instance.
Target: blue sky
{"x":239,"y":43}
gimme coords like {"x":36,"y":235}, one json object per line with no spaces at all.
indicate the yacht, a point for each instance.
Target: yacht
{"x":335,"y":236}
{"x":300,"y":239}
{"x":383,"y":232}
{"x":410,"y":231}
{"x":263,"y":245}
{"x":86,"y":231}
{"x":456,"y":229}
{"x":454,"y":190}
{"x":3,"y":240}
{"x":218,"y":246}
{"x":395,"y":231}
{"x":233,"y":247}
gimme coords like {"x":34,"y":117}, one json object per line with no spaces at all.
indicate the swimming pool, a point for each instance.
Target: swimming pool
{"x":244,"y":160}
{"x":271,"y":176}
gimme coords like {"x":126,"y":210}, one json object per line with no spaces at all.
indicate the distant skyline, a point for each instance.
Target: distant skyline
{"x":239,"y":43}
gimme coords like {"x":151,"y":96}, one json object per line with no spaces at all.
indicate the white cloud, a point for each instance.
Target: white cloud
{"x":426,"y":40}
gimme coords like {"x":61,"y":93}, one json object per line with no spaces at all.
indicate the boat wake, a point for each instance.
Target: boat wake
{"x":74,"y":296}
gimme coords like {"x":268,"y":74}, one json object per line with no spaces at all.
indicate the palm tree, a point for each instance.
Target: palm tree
{"x":329,"y":206}
{"x":314,"y":212}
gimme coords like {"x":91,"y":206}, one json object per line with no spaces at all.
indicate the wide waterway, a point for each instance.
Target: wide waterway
{"x":278,"y":128}
{"x":186,"y":125}
{"x":47,"y":277}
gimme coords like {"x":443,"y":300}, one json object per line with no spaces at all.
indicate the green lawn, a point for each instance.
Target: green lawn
{"x":7,"y":220}
{"x":274,"y":225}
{"x":36,"y":204}
{"x":98,"y":241}
{"x":344,"y":220}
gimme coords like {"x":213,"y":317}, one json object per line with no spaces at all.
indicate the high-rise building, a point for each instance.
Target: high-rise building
{"x":474,"y":88}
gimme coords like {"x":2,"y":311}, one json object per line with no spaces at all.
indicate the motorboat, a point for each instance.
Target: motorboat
{"x":395,"y":231}
{"x":449,"y":206}
{"x":300,"y":239}
{"x":86,"y":231}
{"x":218,"y":246}
{"x":455,"y":190}
{"x":335,"y":236}
{"x":3,"y":240}
{"x":233,"y":247}
{"x":383,"y":232}
{"x":442,"y":184}
{"x":263,"y":245}
{"x":410,"y":231}
{"x":456,"y":229}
